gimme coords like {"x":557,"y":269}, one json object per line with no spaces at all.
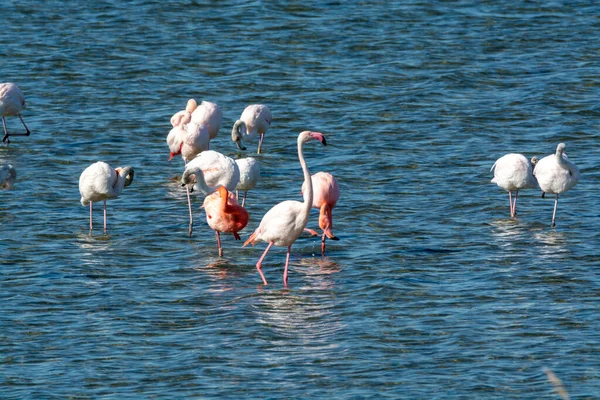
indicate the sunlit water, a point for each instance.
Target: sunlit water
{"x":432,"y":292}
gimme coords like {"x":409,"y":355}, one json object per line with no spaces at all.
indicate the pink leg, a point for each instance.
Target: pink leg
{"x":258,"y":264}
{"x":104,"y":216}
{"x":515,"y":204}
{"x":511,"y":203}
{"x":554,"y":213}
{"x":244,"y":199}
{"x":90,"y":217}
{"x":237,"y":196}
{"x":287,"y":262}
{"x":190,"y":227}
{"x":262,"y":135}
{"x":219,"y":244}
{"x":323,"y":244}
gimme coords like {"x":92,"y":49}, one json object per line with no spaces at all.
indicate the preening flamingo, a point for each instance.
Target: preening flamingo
{"x":255,"y":121}
{"x":326,"y":193}
{"x":556,"y":174}
{"x":100,"y":181}
{"x":513,"y":172}
{"x":184,"y":116}
{"x":208,"y":171}
{"x":209,"y":115}
{"x":249,"y":175}
{"x":224,"y":214}
{"x":12,"y":102}
{"x":8,"y":176}
{"x":187,"y":140}
{"x":284,"y":223}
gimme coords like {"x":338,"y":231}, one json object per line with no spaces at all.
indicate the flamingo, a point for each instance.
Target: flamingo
{"x":513,"y":172}
{"x":325,"y":196}
{"x":556,"y":175}
{"x":184,"y":116}
{"x":100,"y":181}
{"x":12,"y":102}
{"x":255,"y":120}
{"x":249,"y":175}
{"x":8,"y":176}
{"x":208,"y":171}
{"x":187,"y":140}
{"x":224,"y":214}
{"x":284,"y":223}
{"x":209,"y":115}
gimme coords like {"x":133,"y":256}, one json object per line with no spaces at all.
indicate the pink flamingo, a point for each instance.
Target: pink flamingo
{"x":254,"y":121}
{"x":325,"y":196}
{"x":209,"y":115}
{"x":12,"y":102}
{"x":224,"y":214}
{"x":101,"y":182}
{"x":284,"y":223}
{"x":184,"y":116}
{"x":187,"y":140}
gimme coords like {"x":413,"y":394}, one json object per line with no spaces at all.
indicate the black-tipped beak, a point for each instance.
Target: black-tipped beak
{"x":239,"y":145}
{"x":324,"y":141}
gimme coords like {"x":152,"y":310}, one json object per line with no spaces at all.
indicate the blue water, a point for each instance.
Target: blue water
{"x":433,"y":292}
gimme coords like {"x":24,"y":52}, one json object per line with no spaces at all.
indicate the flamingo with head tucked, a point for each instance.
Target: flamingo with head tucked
{"x":12,"y":102}
{"x":249,"y":175}
{"x":8,"y":176}
{"x":184,"y":116}
{"x":254,"y":121}
{"x":513,"y":172}
{"x":326,"y":193}
{"x":284,"y":223}
{"x":100,"y":182}
{"x":556,"y":174}
{"x":209,"y":115}
{"x":224,"y":214}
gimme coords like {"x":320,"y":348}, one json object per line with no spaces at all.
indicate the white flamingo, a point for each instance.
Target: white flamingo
{"x":12,"y":102}
{"x":100,"y":182}
{"x":209,"y":115}
{"x":513,"y":172}
{"x":208,"y":171}
{"x":184,"y":116}
{"x":187,"y":140}
{"x":8,"y":176}
{"x":249,"y":175}
{"x":284,"y":223}
{"x":254,"y":121}
{"x":556,"y":175}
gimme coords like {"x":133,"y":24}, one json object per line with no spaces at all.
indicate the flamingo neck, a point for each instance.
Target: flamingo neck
{"x":308,"y":194}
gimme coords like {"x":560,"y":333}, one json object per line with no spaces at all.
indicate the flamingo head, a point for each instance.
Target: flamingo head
{"x":127,"y":173}
{"x":560,"y":149}
{"x":171,"y":154}
{"x":191,"y":106}
{"x":534,"y":160}
{"x":307,"y":135}
{"x":239,"y":129}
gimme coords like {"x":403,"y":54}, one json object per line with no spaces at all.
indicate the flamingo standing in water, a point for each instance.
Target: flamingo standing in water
{"x":255,"y":121}
{"x":208,"y":171}
{"x":556,"y":175}
{"x":249,"y":175}
{"x":101,"y":182}
{"x":209,"y":115}
{"x":8,"y":176}
{"x":184,"y":116}
{"x":284,"y":223}
{"x":513,"y":172}
{"x":224,"y":214}
{"x":12,"y":102}
{"x":325,"y":196}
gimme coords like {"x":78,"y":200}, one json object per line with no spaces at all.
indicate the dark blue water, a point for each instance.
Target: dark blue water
{"x":433,"y":292}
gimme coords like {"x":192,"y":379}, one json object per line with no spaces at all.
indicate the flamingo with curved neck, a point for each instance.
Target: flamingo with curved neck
{"x":254,"y":121}
{"x":284,"y":223}
{"x":224,"y":214}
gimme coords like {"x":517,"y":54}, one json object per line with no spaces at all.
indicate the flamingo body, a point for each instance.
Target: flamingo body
{"x":556,"y":174}
{"x":100,"y":182}
{"x":326,"y":193}
{"x":254,"y":122}
{"x":12,"y":102}
{"x":284,"y":223}
{"x":513,"y":172}
{"x":209,"y":115}
{"x":187,"y":140}
{"x":209,"y":170}
{"x":8,"y":176}
{"x":249,"y":175}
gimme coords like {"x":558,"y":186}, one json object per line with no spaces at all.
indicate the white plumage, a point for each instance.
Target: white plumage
{"x":12,"y":102}
{"x":209,"y":170}
{"x":556,"y":174}
{"x":209,"y":115}
{"x":249,"y":175}
{"x":184,"y":116}
{"x":187,"y":140}
{"x":254,"y":121}
{"x":8,"y":176}
{"x":513,"y":172}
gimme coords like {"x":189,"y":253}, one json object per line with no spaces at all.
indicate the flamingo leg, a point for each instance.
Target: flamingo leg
{"x":237,"y":197}
{"x":554,"y":213}
{"x":323,"y":244}
{"x":26,"y":128}
{"x":90,"y":217}
{"x":511,"y":203}
{"x":287,"y":263}
{"x":258,"y":264}
{"x":104,"y":215}
{"x":190,"y":227}
{"x":514,"y":208}
{"x":219,"y":244}
{"x":262,"y":135}
{"x":5,"y":132}
{"x":244,"y":199}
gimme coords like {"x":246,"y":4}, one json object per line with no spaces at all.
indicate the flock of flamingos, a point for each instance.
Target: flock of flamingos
{"x":212,"y":173}
{"x":218,"y":176}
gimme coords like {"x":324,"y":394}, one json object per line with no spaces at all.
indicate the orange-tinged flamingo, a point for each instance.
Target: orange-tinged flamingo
{"x":224,"y":214}
{"x":209,"y":115}
{"x":254,"y":121}
{"x":249,"y":175}
{"x":8,"y":176}
{"x":284,"y":223}
{"x":100,"y":182}
{"x":184,"y":116}
{"x":326,"y":193}
{"x":12,"y":102}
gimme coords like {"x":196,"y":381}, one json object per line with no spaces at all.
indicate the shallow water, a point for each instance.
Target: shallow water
{"x":432,"y":292}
